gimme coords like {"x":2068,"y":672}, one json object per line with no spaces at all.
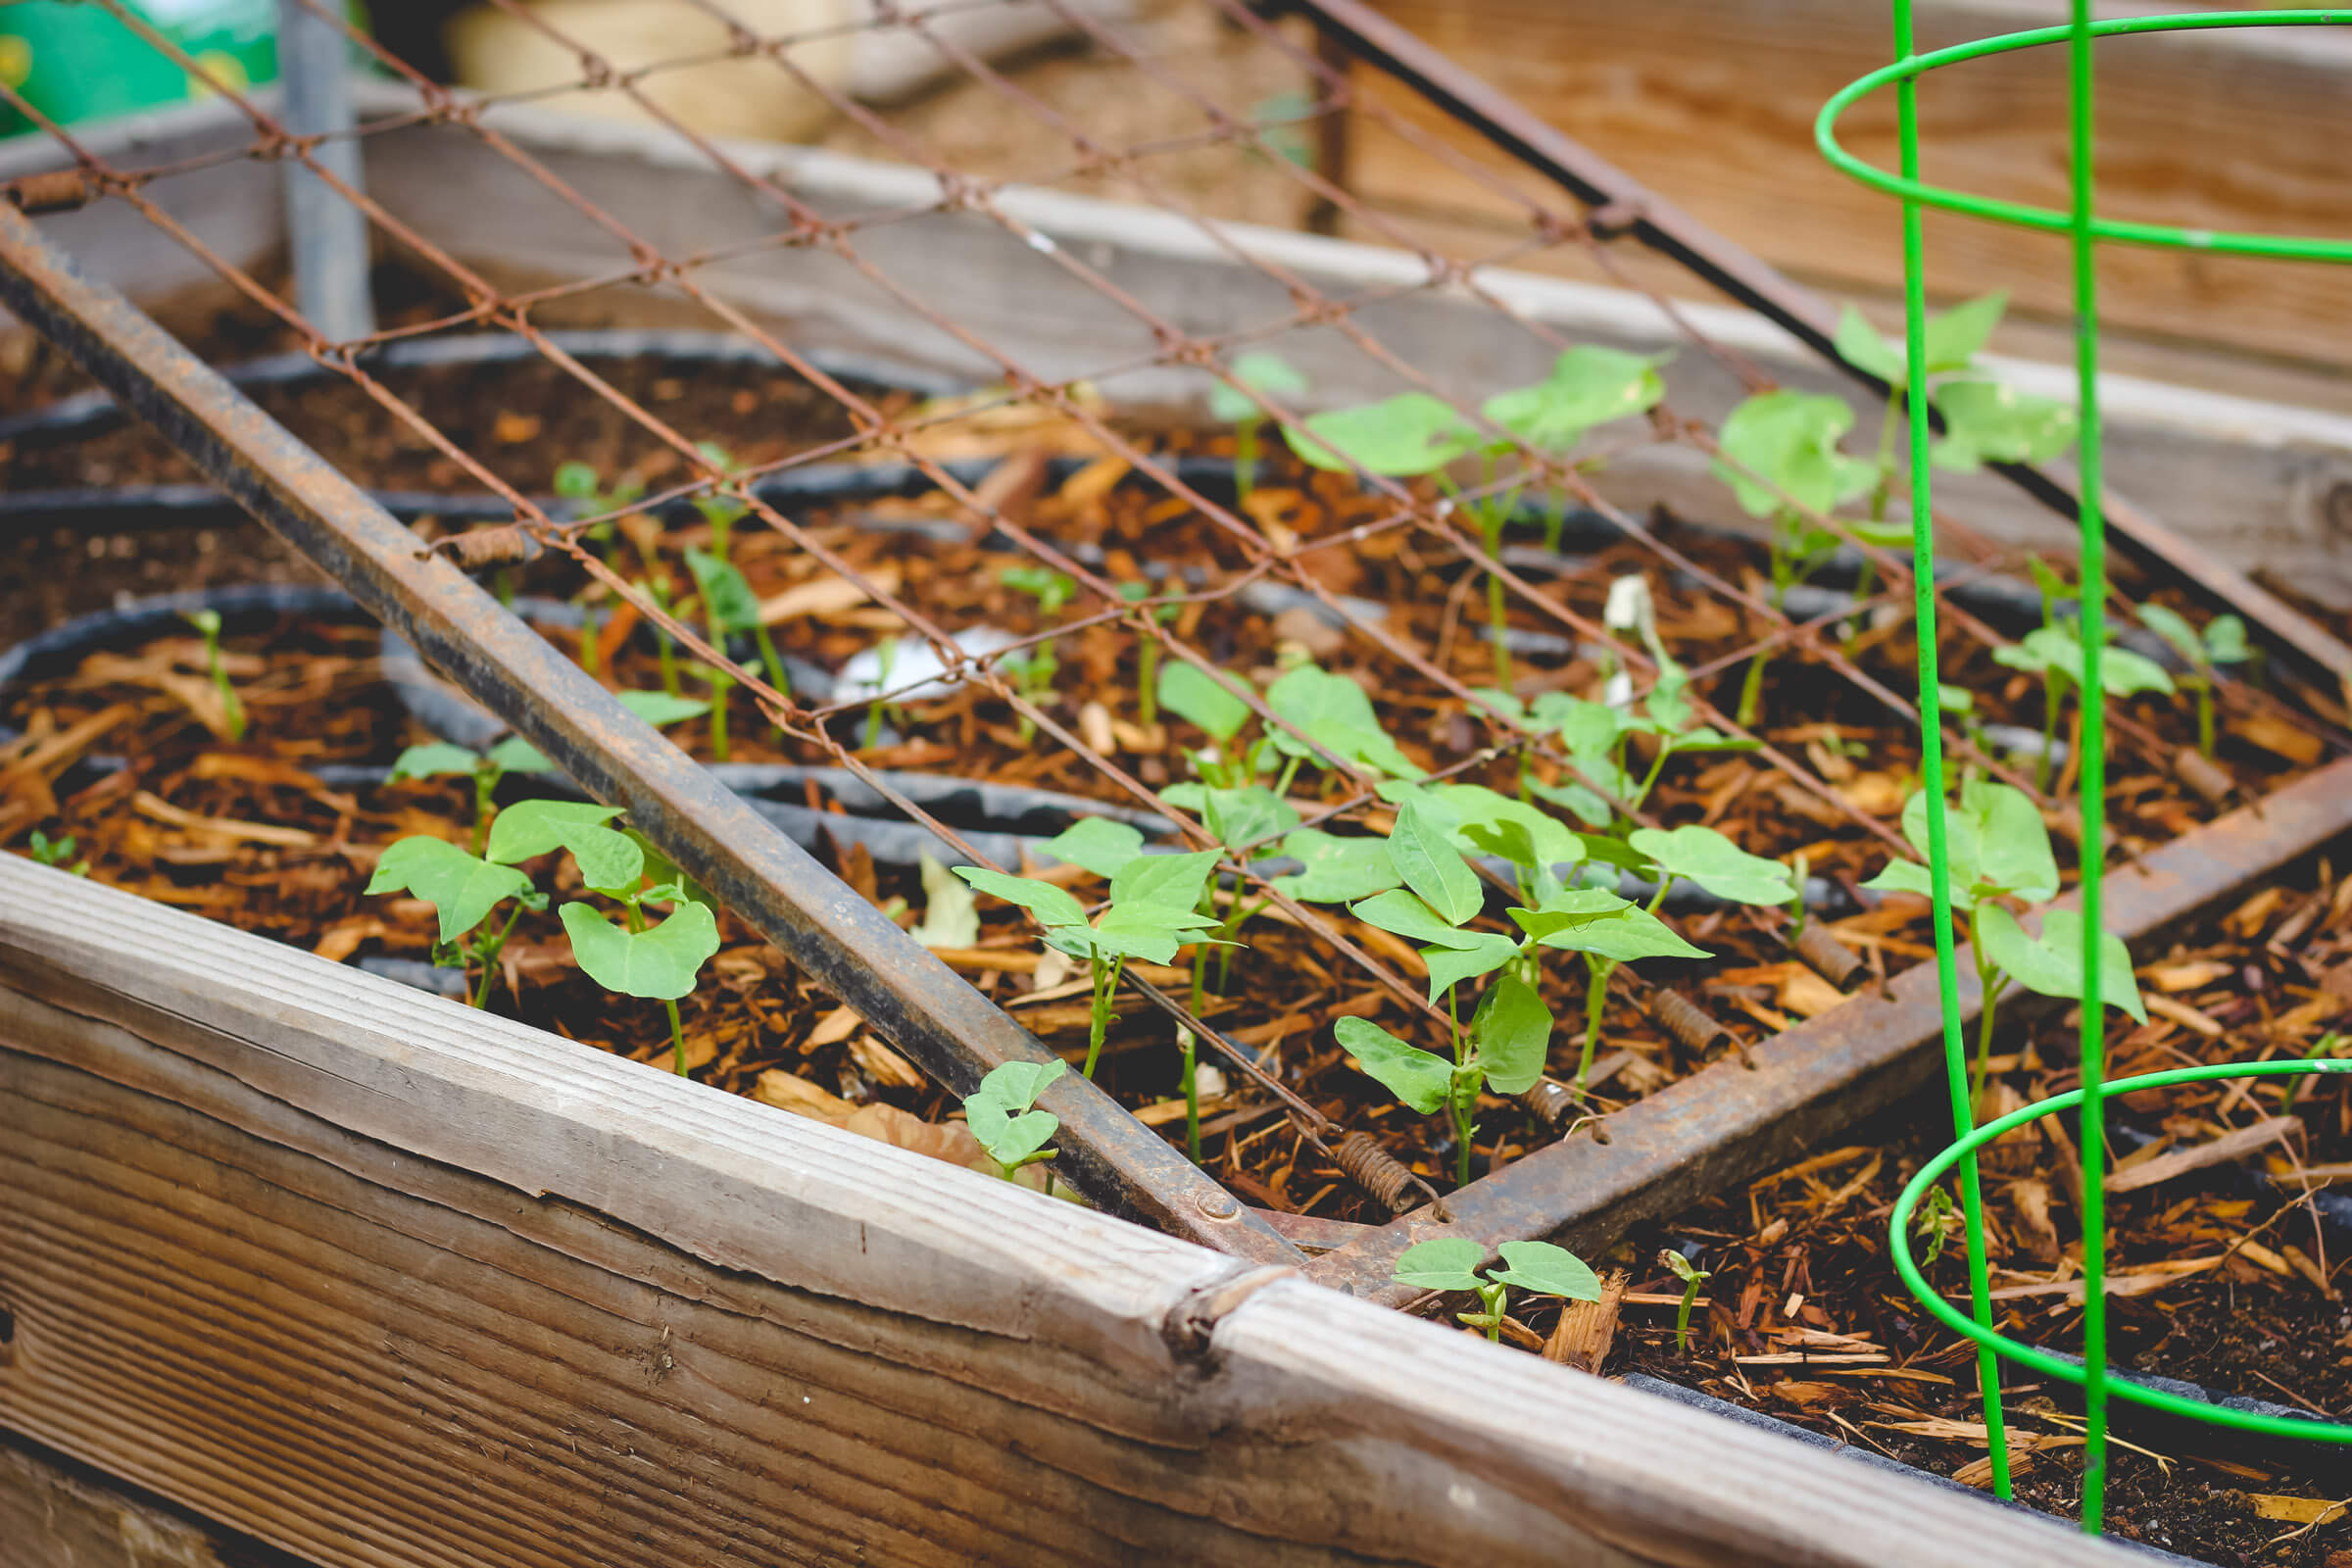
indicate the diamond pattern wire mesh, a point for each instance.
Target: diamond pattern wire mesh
{"x":1323,"y":541}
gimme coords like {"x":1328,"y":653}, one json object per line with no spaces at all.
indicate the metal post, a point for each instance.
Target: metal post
{"x":327,"y":234}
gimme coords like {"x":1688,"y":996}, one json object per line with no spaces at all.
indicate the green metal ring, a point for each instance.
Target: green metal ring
{"x":2043,"y":1361}
{"x":2048,"y":219}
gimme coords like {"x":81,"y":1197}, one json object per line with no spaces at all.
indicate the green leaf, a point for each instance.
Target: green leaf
{"x":2013,"y":843}
{"x":658,"y":963}
{"x":1016,"y":1085}
{"x":1567,"y":908}
{"x":726,"y":593}
{"x":2125,"y":673}
{"x":1990,"y":422}
{"x":1450,"y":966}
{"x":1407,"y":916}
{"x":1424,"y":856}
{"x":1791,"y":439}
{"x":1705,"y":856}
{"x":1860,"y":346}
{"x":1542,"y":1269}
{"x":1574,"y":799}
{"x":1963,"y":853}
{"x":2052,"y":964}
{"x":1625,"y":935}
{"x":1410,"y":433}
{"x":1955,"y":336}
{"x":1589,"y":385}
{"x":1010,"y":1140}
{"x":1194,"y":694}
{"x":2225,"y":640}
{"x":1103,"y":845}
{"x":461,"y":888}
{"x":1247,"y":815}
{"x":1169,"y":882}
{"x":2173,"y":628}
{"x":1049,"y":903}
{"x":1051,"y":589}
{"x":2122,"y":672}
{"x":1335,"y":713}
{"x":660,"y":869}
{"x":1506,"y":840}
{"x":661,"y":708}
{"x":515,"y":754}
{"x":1588,"y":731}
{"x":1455,"y":808}
{"x":1338,"y":871}
{"x":1414,"y":1076}
{"x":1513,"y":1031}
{"x":434,"y":760}
{"x":610,"y":861}
{"x":951,"y":915}
{"x":575,"y":481}
{"x":1446,"y":1263}
{"x":1145,"y":931}
{"x":1269,"y":373}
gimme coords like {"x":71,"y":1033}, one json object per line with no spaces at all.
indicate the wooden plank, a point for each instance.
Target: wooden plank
{"x":1712,"y":102}
{"x":53,"y":1515}
{"x":383,"y":1281}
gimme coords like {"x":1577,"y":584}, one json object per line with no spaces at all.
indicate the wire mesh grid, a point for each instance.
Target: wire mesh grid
{"x":1169,"y":560}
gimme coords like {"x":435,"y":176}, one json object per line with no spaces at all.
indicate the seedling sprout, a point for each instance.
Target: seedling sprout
{"x":1539,"y":1268}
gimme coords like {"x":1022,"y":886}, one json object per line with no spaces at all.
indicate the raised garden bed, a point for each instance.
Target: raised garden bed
{"x":957,"y":519}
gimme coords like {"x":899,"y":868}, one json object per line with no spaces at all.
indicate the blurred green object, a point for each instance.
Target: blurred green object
{"x":75,"y":63}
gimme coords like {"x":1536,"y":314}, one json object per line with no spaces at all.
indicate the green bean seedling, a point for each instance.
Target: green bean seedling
{"x":233,"y":711}
{"x":1539,"y":1268}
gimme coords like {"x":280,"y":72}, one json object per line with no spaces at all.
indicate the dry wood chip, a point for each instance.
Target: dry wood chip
{"x":342,"y":939}
{"x":158,"y":808}
{"x":1588,"y":1328}
{"x":2228,"y":1146}
{"x":2278,"y":737}
{"x":885,"y":1066}
{"x":2295,"y":1510}
{"x":828,"y":594}
{"x":834,"y":1027}
{"x":2141,"y":1282}
{"x":2181,"y":1012}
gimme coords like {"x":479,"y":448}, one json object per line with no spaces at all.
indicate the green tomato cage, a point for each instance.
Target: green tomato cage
{"x":2086,"y":230}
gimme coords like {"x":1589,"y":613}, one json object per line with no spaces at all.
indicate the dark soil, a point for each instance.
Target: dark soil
{"x":244,"y":833}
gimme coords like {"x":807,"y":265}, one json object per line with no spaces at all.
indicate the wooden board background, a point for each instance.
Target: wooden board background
{"x":381,"y":1281}
{"x":1712,"y":102}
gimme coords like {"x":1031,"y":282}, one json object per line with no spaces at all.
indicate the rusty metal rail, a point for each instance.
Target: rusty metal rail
{"x":1672,"y":1145}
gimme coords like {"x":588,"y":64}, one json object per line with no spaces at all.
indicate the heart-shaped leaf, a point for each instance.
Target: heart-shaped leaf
{"x":1194,"y":694}
{"x":1589,"y":385}
{"x":1407,"y":916}
{"x":2052,"y":964}
{"x":1166,"y":882}
{"x":1049,"y":903}
{"x":1705,"y":856}
{"x":1410,"y":433}
{"x":1338,"y":869}
{"x":1445,"y":1264}
{"x":515,"y":754}
{"x":1542,"y":1269}
{"x":658,"y":963}
{"x":1990,"y":422}
{"x":1247,"y":815}
{"x":610,"y":860}
{"x":1791,"y":438}
{"x":435,"y":759}
{"x":1625,"y":935}
{"x":2013,"y":843}
{"x":462,"y":888}
{"x":1567,"y":908}
{"x":1012,"y":1140}
{"x":1269,"y":373}
{"x":1101,"y":844}
{"x":1513,"y":1030}
{"x":1426,"y":860}
{"x":1416,"y":1077}
{"x":1016,"y":1084}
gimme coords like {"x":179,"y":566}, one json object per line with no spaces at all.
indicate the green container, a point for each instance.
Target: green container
{"x":76,"y":63}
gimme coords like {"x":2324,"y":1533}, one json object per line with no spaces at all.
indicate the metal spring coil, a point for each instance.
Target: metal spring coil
{"x":1686,"y":1020}
{"x":1829,"y":957}
{"x":1374,"y":1169}
{"x":1550,"y":1103}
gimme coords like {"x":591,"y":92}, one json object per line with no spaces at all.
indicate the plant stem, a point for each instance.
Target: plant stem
{"x":1107,"y":983}
{"x":588,"y":639}
{"x":1147,"y":680}
{"x":1989,"y":985}
{"x":1682,"y":1318}
{"x":1751,"y":690}
{"x":2049,"y":729}
{"x":1191,"y":1095}
{"x":1465,"y":1107}
{"x":677,"y":1039}
{"x":1491,"y":1298}
{"x":1245,"y":459}
{"x":2204,"y":689}
{"x":1596,"y":996}
{"x":487,"y":955}
{"x":485,"y":806}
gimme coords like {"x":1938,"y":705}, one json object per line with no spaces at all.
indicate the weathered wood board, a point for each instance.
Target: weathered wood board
{"x":1712,"y":102}
{"x":378,"y":1280}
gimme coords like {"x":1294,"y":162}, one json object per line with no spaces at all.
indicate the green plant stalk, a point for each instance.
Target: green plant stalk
{"x":1147,"y":680}
{"x":658,"y":590}
{"x":588,"y":641}
{"x":1191,"y":1095}
{"x":677,"y":1038}
{"x":773,"y":663}
{"x":1555,"y":522}
{"x":1462,"y":1105}
{"x":1245,"y":459}
{"x":1107,"y":985}
{"x":2049,"y":729}
{"x":1490,"y":1297}
{"x":1238,"y":915}
{"x":1597,"y":999}
{"x":2204,"y":689}
{"x":487,"y":954}
{"x":486,"y":804}
{"x":721,"y":683}
{"x":231,"y":711}
{"x":1681,"y":1315}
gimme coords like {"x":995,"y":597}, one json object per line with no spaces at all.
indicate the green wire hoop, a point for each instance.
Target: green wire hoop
{"x":2277,"y":247}
{"x":2058,"y":1367}
{"x":2084,"y":231}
